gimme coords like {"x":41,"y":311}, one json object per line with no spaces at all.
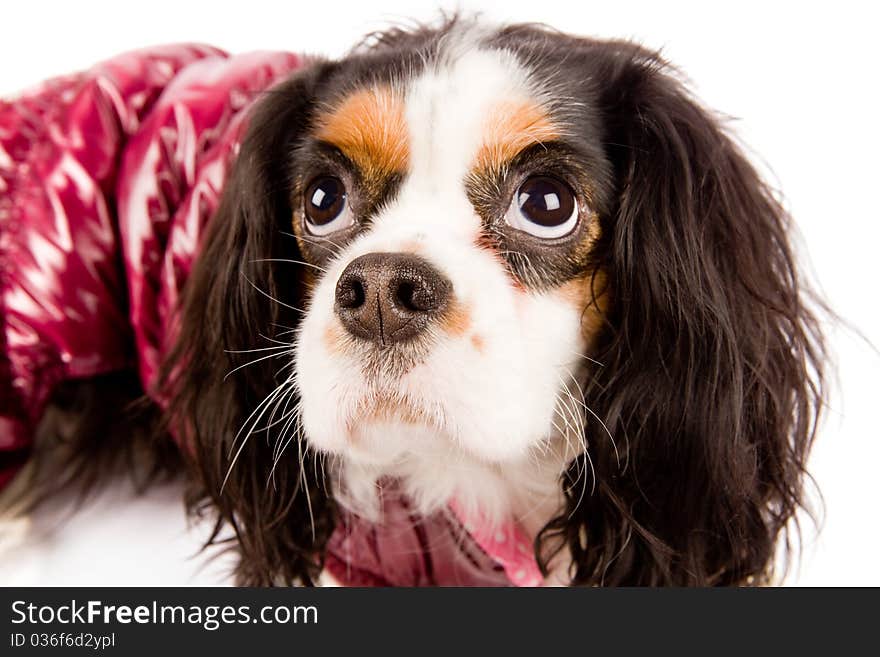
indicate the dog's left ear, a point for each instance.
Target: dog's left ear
{"x":711,"y":373}
{"x":245,"y":292}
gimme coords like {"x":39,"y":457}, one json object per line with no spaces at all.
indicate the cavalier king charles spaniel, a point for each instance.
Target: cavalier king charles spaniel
{"x":511,"y":272}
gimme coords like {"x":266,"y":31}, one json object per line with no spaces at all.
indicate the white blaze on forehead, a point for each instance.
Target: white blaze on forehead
{"x":447,"y":108}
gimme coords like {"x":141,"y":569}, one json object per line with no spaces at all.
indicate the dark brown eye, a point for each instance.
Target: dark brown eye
{"x":325,"y":205}
{"x":544,"y":207}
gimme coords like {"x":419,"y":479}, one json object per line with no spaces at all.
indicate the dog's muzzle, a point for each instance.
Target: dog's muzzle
{"x":389,"y":298}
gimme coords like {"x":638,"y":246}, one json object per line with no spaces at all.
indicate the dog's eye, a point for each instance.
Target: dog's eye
{"x":325,"y":205}
{"x":543,"y":206}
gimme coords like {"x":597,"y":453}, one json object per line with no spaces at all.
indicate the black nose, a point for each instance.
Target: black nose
{"x":390,"y":297}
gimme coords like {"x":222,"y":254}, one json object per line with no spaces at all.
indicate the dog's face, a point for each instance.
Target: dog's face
{"x":527,"y":274}
{"x":449,"y":212}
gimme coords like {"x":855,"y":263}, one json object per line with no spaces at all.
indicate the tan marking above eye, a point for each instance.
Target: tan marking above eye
{"x":369,"y":127}
{"x":511,"y":127}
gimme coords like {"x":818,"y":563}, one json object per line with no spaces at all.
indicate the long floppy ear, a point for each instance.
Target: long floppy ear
{"x":711,"y":375}
{"x":241,"y":430}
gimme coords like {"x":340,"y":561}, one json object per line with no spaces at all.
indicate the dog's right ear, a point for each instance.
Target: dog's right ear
{"x":239,"y":421}
{"x":713,"y":357}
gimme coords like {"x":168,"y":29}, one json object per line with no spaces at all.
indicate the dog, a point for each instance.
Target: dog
{"x":512,"y":291}
{"x":515,"y":272}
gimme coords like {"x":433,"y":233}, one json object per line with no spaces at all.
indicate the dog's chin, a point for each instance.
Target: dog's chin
{"x":383,"y":436}
{"x":396,"y":451}
{"x":380,"y":429}
{"x":413,"y":446}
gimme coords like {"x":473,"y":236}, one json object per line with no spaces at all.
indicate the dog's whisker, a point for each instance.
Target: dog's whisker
{"x":318,"y":243}
{"x":286,"y":398}
{"x":564,"y":434}
{"x":294,"y":262}
{"x":282,"y":447}
{"x":315,"y":459}
{"x":280,"y":343}
{"x":270,"y":297}
{"x":264,"y":405}
{"x":253,"y":351}
{"x":306,"y":487}
{"x":581,"y":469}
{"x":289,"y":364}
{"x":592,"y":469}
{"x":287,"y":329}
{"x":581,"y":418}
{"x":293,"y":421}
{"x":570,"y":452}
{"x":581,"y":436}
{"x":253,"y":362}
{"x":583,"y":404}
{"x":575,"y":352}
{"x":266,"y":400}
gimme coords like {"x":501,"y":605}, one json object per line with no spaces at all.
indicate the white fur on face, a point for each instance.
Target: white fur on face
{"x":478,"y":417}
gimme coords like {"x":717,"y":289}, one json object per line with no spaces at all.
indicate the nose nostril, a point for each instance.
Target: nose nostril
{"x":352,"y":295}
{"x":405,"y":296}
{"x":419,"y":295}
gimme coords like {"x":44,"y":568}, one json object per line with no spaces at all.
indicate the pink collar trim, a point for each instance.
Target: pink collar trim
{"x":507,"y":545}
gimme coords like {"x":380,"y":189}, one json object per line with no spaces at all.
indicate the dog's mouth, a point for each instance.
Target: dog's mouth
{"x":397,"y":410}
{"x":392,"y":409}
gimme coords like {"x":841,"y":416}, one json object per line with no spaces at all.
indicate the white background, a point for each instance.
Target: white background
{"x":801,"y":82}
